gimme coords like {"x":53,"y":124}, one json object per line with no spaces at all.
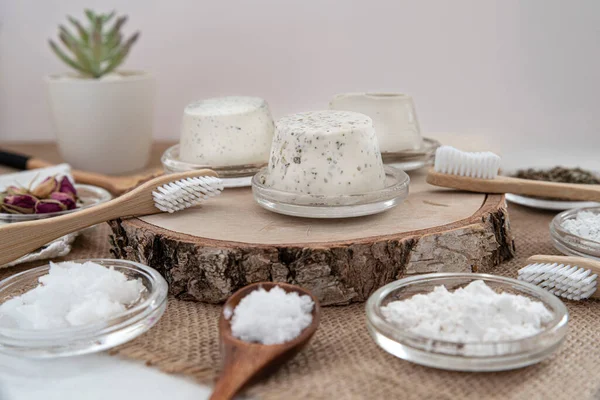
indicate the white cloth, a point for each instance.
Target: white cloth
{"x":58,"y":248}
{"x":34,"y":176}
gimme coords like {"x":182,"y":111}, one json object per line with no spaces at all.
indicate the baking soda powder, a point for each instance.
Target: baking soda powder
{"x":586,"y":224}
{"x":475,"y":313}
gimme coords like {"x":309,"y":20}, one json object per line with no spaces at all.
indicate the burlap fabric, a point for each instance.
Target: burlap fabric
{"x":342,"y":362}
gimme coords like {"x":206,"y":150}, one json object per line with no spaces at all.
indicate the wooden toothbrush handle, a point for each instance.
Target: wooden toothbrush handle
{"x":527,"y":187}
{"x":19,"y":239}
{"x":89,"y":178}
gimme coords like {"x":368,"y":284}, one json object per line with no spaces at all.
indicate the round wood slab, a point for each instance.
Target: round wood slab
{"x":209,"y":252}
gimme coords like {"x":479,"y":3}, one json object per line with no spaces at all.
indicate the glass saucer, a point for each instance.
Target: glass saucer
{"x":321,"y":206}
{"x":545,"y":204}
{"x":97,"y":336}
{"x":410,"y":160}
{"x":569,"y":243}
{"x":465,"y":356}
{"x":232,"y":176}
{"x":88,"y":196}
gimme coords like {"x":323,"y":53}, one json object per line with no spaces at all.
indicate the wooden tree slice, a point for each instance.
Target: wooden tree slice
{"x":207,"y":253}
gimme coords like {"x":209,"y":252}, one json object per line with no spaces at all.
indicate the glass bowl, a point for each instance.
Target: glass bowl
{"x":321,"y":206}
{"x":570,"y":244}
{"x":410,"y":160}
{"x":89,"y":196}
{"x":233,"y":176}
{"x":98,"y":336}
{"x":473,"y":356}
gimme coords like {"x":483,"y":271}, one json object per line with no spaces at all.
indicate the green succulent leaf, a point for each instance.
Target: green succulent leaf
{"x":90,"y":15}
{"x":108,"y":17}
{"x":83,"y":34}
{"x":113,"y":37}
{"x":78,"y":51}
{"x":95,"y":48}
{"x":120,"y":54}
{"x":66,"y":58}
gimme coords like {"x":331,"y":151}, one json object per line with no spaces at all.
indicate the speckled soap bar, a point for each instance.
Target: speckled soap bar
{"x":325,"y":153}
{"x":226,"y":131}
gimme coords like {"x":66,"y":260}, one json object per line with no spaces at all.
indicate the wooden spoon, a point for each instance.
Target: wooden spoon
{"x":242,"y":360}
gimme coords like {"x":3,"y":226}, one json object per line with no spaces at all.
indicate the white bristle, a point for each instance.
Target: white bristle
{"x":449,"y":160}
{"x":186,"y":193}
{"x":568,"y":281}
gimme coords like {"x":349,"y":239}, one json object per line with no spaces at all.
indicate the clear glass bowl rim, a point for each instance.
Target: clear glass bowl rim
{"x":557,"y":231}
{"x":396,"y":188}
{"x":103,"y":196}
{"x":374,"y":316}
{"x":156,"y":297}
{"x":173,"y":163}
{"x":425,"y":152}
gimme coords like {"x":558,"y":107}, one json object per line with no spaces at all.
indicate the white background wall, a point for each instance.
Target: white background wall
{"x":523,"y":74}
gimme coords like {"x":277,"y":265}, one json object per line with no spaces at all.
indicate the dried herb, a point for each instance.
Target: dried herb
{"x":52,"y":195}
{"x":559,"y":174}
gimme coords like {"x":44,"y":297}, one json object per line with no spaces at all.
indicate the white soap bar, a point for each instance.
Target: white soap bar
{"x":393,"y":115}
{"x":325,"y":153}
{"x":226,"y":131}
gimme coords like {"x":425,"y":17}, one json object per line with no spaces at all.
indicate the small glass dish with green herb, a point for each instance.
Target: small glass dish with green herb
{"x":556,"y":174}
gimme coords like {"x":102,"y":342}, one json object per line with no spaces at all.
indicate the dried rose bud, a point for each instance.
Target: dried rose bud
{"x":19,"y":204}
{"x":44,"y":189}
{"x":65,"y":198}
{"x":12,"y":190}
{"x":49,"y":206}
{"x":67,"y":187}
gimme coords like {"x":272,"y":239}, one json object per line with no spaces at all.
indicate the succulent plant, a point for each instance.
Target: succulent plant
{"x":97,"y":49}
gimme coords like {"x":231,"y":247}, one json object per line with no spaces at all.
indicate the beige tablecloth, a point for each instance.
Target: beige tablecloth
{"x":342,"y":362}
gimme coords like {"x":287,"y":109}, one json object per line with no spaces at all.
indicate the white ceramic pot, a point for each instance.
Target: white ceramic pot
{"x":103,"y":125}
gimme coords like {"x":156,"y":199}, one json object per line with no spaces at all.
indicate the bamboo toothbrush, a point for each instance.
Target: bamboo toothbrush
{"x":573,"y":278}
{"x":167,"y":193}
{"x":117,"y":185}
{"x":478,"y":172}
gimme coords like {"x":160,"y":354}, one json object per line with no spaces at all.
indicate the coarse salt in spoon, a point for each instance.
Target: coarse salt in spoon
{"x":244,"y":360}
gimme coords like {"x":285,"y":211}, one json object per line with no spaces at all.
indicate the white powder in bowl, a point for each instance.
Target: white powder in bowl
{"x":586,"y":224}
{"x":72,"y":294}
{"x":475,"y":313}
{"x":272,"y":317}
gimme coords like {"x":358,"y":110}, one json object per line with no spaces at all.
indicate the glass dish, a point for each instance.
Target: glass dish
{"x":570,"y":244}
{"x":90,"y":338}
{"x":234,"y":176}
{"x":89,"y":196}
{"x":544,"y":204}
{"x":320,"y":206}
{"x":474,"y":356}
{"x":411,"y":160}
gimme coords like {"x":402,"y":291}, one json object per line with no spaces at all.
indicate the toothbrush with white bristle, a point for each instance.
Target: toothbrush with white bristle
{"x":478,"y":172}
{"x":167,"y":193}
{"x":574,"y":278}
